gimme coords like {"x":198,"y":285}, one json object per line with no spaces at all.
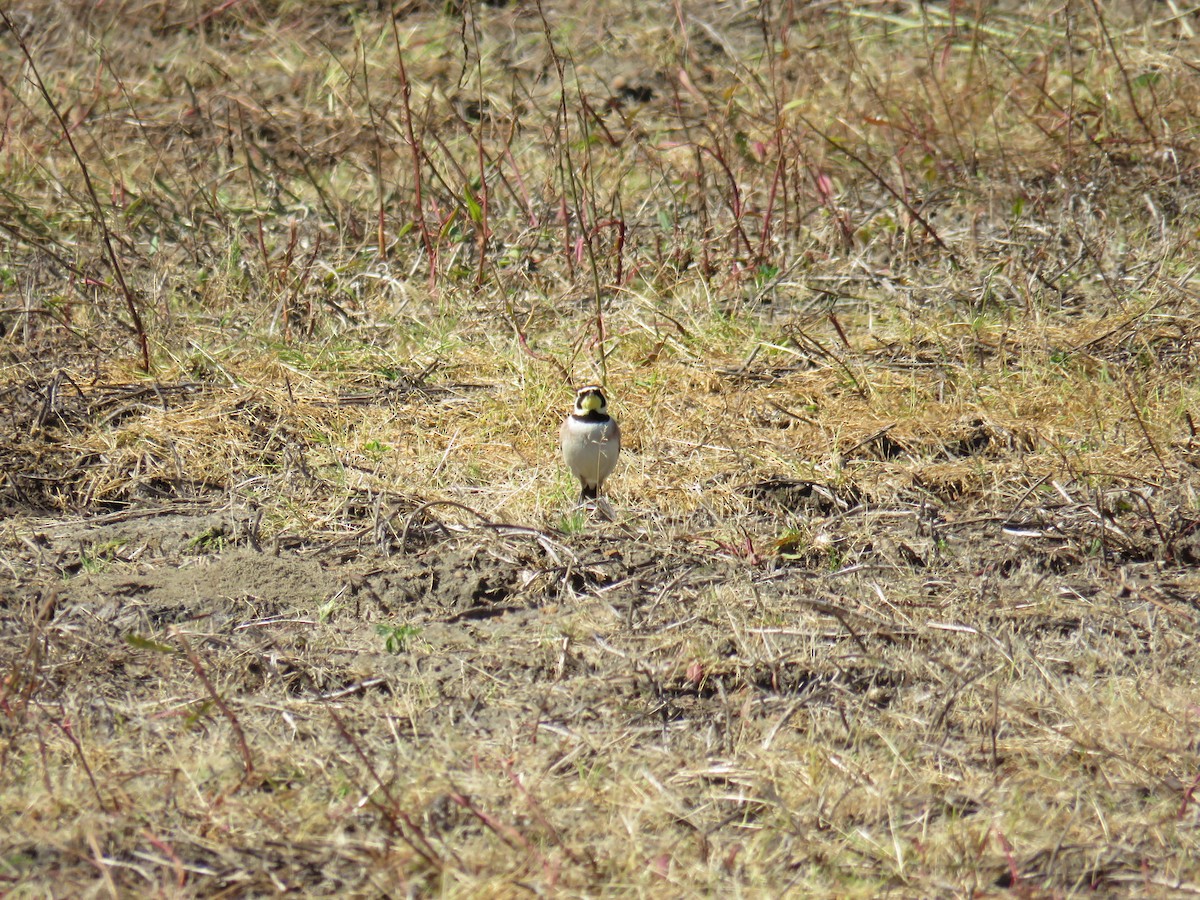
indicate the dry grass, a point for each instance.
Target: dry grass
{"x":895,"y":307}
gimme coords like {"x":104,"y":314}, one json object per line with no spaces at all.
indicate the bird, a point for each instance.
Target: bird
{"x":591,"y":441}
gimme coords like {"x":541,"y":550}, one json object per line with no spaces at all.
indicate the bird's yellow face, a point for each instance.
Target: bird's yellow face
{"x":590,"y":400}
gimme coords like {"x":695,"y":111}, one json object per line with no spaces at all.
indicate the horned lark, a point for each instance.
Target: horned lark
{"x":591,"y":440}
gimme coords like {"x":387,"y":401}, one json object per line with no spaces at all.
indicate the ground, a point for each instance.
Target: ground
{"x":894,"y":591}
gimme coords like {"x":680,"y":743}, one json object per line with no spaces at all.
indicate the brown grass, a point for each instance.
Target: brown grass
{"x":895,"y":306}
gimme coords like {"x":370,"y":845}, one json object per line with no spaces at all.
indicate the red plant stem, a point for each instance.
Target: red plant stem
{"x":418,"y":203}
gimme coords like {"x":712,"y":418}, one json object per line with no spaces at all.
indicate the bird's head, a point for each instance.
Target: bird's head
{"x":590,"y":399}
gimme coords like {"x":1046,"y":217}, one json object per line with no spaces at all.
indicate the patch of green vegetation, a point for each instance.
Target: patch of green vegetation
{"x":574,"y":522}
{"x":144,"y":643}
{"x":98,"y":557}
{"x":211,"y":540}
{"x":396,"y":638}
{"x":376,"y":450}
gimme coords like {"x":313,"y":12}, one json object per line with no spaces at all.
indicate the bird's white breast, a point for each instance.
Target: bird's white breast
{"x":590,"y":448}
